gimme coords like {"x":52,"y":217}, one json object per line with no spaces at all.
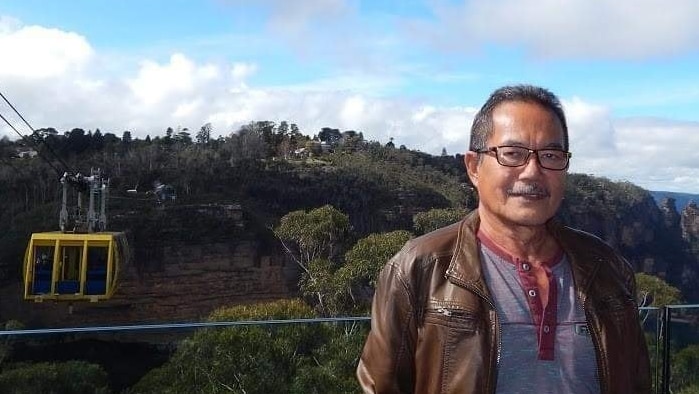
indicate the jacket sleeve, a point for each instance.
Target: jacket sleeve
{"x":643,"y":373}
{"x":386,"y":364}
{"x":639,"y":363}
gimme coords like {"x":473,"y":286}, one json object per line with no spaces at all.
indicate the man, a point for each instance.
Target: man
{"x":508,"y":300}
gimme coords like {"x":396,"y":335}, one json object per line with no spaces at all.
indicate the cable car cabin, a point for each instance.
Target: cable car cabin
{"x":72,"y":267}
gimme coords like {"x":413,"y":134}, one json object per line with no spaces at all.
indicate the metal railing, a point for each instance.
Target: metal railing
{"x":684,"y":320}
{"x":672,"y":332}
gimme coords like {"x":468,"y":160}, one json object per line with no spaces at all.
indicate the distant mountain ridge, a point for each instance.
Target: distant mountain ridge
{"x":681,"y":199}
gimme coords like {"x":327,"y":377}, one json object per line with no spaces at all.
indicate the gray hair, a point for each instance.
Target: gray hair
{"x":482,"y":127}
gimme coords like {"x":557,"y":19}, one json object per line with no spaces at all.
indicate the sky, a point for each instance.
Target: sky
{"x":627,"y":71}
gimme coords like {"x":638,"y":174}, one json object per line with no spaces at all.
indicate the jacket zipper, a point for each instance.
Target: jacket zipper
{"x":592,"y":328}
{"x":494,"y":372}
{"x":444,"y":311}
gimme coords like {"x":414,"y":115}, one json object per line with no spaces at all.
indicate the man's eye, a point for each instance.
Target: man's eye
{"x":552,"y":155}
{"x":512,"y":154}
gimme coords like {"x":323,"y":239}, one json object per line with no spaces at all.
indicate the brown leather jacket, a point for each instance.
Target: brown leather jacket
{"x":434,"y":328}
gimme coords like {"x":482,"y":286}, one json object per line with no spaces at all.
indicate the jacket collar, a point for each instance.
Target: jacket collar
{"x":584,"y":261}
{"x":465,"y":265}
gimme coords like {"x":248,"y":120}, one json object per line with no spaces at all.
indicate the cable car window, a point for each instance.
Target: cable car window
{"x":96,"y":270}
{"x":71,"y":257}
{"x":43,"y":269}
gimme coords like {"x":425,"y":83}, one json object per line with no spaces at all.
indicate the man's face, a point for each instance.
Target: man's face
{"x":519,"y":196}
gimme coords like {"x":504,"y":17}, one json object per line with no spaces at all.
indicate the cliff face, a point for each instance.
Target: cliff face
{"x":671,"y":216}
{"x":652,"y":237}
{"x":690,"y":222}
{"x":188,"y":260}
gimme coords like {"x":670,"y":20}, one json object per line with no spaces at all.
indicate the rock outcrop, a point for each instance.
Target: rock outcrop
{"x":690,"y":222}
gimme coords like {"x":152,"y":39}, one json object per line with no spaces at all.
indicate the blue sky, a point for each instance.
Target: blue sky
{"x":415,"y":71}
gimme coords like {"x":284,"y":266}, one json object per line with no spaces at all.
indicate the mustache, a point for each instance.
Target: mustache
{"x":528,"y":189}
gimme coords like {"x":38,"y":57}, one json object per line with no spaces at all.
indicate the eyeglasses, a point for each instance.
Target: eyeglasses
{"x":516,"y":156}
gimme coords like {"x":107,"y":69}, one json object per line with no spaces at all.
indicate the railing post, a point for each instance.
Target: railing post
{"x":665,"y":387}
{"x":658,"y":343}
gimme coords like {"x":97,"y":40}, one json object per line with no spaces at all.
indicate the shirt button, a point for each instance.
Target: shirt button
{"x":546,"y":329}
{"x":532,"y":293}
{"x":525,"y":267}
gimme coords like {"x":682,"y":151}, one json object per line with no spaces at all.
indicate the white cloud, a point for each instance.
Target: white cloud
{"x":652,"y":153}
{"x":38,"y":52}
{"x":299,"y":16}
{"x":181,"y":91}
{"x":590,"y":129}
{"x":155,"y":82}
{"x":570,"y":29}
{"x":295,"y":18}
{"x":241,"y":71}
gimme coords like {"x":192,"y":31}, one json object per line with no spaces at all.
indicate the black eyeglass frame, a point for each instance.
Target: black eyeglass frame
{"x":494,"y":150}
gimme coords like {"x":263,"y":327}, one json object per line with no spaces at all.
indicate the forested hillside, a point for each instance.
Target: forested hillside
{"x":268,"y":170}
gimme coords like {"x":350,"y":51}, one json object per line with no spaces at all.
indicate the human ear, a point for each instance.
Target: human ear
{"x":472,"y":165}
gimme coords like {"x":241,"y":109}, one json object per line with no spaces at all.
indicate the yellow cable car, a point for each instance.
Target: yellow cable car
{"x":72,"y":267}
{"x":81,"y":262}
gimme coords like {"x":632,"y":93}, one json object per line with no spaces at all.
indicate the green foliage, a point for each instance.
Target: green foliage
{"x":685,"y":369}
{"x":331,"y":369}
{"x":316,"y":237}
{"x":14,"y":325}
{"x":275,"y":310}
{"x":406,"y":170}
{"x":693,"y":389}
{"x":584,"y":192}
{"x":315,"y":233}
{"x":653,"y":291}
{"x":366,"y":258}
{"x":336,"y":288}
{"x":294,"y":358}
{"x":319,"y":282}
{"x":71,"y":377}
{"x":6,"y":343}
{"x":357,"y":277}
{"x":437,"y":218}
{"x":348,"y":289}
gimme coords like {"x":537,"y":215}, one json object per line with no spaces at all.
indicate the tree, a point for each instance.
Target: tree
{"x":250,"y":142}
{"x":437,"y":218}
{"x":67,"y":377}
{"x":204,"y":134}
{"x":183,"y":137}
{"x":351,"y":141}
{"x":364,"y":262}
{"x":126,"y":138}
{"x":126,"y":142}
{"x":97,"y":143}
{"x":283,"y":128}
{"x":313,"y":234}
{"x":313,"y":239}
{"x":329,"y":135}
{"x":685,"y":368}
{"x":110,"y":141}
{"x":7,"y":342}
{"x":289,"y":358}
{"x":653,"y":291}
{"x":77,"y":141}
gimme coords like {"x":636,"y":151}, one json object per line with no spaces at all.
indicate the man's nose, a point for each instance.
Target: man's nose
{"x":533,"y":165}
